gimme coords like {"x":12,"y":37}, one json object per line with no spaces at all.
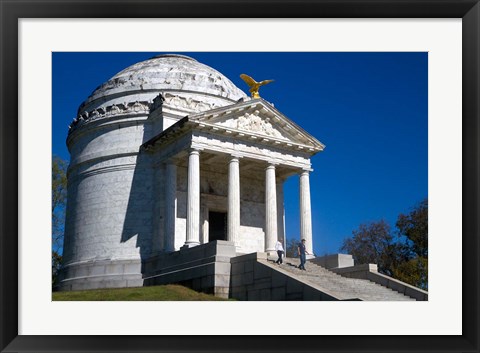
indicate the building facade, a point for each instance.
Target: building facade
{"x":170,"y":154}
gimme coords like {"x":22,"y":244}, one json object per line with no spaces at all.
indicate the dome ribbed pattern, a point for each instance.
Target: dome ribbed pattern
{"x":167,"y":72}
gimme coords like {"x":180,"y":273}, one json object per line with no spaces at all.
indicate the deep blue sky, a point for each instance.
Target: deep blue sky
{"x":369,"y":109}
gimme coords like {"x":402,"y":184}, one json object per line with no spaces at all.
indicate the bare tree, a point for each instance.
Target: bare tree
{"x":59,"y":200}
{"x":291,"y":249}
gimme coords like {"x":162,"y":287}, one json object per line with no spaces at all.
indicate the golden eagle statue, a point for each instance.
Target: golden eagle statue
{"x":254,"y":85}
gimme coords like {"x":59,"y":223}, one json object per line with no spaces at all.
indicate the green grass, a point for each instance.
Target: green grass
{"x":158,"y":293}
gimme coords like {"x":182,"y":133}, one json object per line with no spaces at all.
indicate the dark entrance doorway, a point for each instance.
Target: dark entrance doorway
{"x":217,"y":226}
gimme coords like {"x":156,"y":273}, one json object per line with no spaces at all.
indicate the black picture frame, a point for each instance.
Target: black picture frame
{"x":11,"y":11}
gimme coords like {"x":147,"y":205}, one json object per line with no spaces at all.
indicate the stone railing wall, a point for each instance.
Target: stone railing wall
{"x":204,"y":268}
{"x":334,"y":261}
{"x":253,"y":280}
{"x":369,"y":271}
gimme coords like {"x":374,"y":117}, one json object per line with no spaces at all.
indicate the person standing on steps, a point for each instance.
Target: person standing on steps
{"x":280,"y":252}
{"x":302,"y":252}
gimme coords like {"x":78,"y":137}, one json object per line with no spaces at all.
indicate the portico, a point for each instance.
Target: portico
{"x":231,"y":161}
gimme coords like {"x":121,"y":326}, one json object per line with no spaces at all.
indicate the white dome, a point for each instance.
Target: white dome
{"x":169,"y":72}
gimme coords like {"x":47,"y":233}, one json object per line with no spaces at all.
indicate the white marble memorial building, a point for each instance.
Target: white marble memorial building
{"x":170,"y":154}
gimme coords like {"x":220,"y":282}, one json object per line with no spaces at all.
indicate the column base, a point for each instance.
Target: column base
{"x":238,"y":249}
{"x":189,"y":245}
{"x":271,"y":252}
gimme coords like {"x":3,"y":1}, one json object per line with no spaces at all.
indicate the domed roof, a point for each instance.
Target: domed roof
{"x":167,"y":72}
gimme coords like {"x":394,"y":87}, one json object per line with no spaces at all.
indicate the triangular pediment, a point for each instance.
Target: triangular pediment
{"x":258,"y":118}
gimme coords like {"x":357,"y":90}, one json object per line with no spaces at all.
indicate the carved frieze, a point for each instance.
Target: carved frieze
{"x":140,"y":108}
{"x":187,"y":103}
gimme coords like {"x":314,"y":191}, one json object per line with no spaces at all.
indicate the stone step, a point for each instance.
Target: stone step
{"x":342,"y":287}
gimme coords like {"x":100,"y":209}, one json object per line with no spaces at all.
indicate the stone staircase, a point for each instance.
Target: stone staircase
{"x":342,"y":288}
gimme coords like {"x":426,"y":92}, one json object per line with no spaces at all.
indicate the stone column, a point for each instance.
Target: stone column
{"x":170,"y":206}
{"x":270,"y":209}
{"x":233,"y":200}
{"x":193,"y":199}
{"x":280,"y":212}
{"x":305,"y":211}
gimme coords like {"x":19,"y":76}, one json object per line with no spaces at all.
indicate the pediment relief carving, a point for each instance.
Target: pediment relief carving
{"x":253,"y":123}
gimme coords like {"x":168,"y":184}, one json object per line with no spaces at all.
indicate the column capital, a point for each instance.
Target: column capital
{"x":271,"y":165}
{"x":305,"y":171}
{"x":194,"y":150}
{"x":234,"y":158}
